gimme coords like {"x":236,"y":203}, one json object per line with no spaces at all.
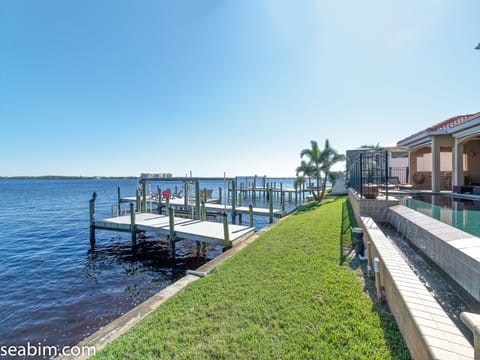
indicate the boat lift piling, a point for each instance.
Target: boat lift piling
{"x":92,"y":220}
{"x":133,"y":228}
{"x":172,"y":236}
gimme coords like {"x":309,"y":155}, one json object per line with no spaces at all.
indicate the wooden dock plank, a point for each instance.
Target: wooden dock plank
{"x":177,"y":202}
{"x":196,"y":230}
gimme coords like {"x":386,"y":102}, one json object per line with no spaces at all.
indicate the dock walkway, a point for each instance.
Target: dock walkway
{"x":210,"y":206}
{"x":196,"y":230}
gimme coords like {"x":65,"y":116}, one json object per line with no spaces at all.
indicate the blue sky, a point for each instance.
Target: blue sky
{"x":124,"y":87}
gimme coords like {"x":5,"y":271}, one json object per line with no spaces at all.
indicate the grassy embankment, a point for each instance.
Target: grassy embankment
{"x":284,"y":296}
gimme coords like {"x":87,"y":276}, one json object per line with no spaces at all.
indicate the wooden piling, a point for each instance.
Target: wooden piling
{"x":144,"y":197}
{"x":282,"y":195}
{"x":203,"y":212}
{"x":250,"y":211}
{"x":197,"y":200}
{"x":159,"y":206}
{"x":92,"y":220}
{"x":199,"y":248}
{"x":219,"y":194}
{"x":226,"y":235}
{"x":137,"y":197}
{"x":172,"y":235}
{"x":234,"y":200}
{"x":133,"y":229}
{"x":185,"y":195}
{"x":119,"y":201}
{"x":270,"y":195}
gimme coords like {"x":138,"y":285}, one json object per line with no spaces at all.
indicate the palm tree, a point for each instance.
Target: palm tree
{"x":304,"y":170}
{"x":328,"y":158}
{"x":314,"y":156}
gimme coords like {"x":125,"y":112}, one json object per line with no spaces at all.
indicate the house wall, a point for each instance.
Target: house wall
{"x":472,"y":161}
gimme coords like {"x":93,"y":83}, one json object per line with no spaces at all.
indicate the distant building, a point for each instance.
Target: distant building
{"x":146,"y":176}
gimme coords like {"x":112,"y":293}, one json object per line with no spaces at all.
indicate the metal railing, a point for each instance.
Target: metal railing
{"x":401,"y":173}
{"x":368,"y":172}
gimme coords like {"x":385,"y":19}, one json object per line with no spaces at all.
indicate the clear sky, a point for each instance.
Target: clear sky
{"x":211,"y":86}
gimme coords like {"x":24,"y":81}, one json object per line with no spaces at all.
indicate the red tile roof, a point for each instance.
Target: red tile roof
{"x":446,"y":124}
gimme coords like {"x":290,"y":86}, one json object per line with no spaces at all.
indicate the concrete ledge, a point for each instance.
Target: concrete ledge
{"x":454,"y":251}
{"x":374,"y":208}
{"x":426,"y":328}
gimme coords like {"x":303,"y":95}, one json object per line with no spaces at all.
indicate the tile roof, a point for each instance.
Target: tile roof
{"x":444,"y":125}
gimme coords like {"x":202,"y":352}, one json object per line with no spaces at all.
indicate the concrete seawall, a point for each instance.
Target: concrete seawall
{"x":425,"y":326}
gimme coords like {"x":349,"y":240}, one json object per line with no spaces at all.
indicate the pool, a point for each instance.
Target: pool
{"x":463,"y":214}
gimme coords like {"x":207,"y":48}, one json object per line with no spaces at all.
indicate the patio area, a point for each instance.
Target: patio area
{"x":446,"y":156}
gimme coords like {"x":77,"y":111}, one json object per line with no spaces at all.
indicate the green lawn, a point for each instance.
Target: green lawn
{"x":285,"y":296}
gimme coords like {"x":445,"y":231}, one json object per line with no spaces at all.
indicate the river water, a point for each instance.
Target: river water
{"x":55,"y":291}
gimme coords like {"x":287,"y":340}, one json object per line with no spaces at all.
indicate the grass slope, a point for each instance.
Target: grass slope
{"x":283,"y":297}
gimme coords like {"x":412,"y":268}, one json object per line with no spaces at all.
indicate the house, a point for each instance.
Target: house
{"x":445,"y":156}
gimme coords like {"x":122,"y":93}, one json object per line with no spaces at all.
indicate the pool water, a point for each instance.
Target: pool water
{"x":463,"y":214}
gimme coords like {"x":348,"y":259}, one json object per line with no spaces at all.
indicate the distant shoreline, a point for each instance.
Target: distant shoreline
{"x":60,"y":177}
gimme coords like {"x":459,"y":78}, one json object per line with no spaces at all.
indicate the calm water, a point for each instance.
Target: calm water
{"x":460,"y":213}
{"x":54,"y":290}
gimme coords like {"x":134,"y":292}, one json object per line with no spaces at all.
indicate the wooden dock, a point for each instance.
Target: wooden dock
{"x":175,"y":228}
{"x":210,"y":206}
{"x":204,"y":231}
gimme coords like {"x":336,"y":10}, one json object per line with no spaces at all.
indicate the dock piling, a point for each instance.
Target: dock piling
{"x":144,"y":197}
{"x":203,"y":212}
{"x":172,"y":236}
{"x":119,"y":201}
{"x":92,"y":220}
{"x":250,"y":209}
{"x":133,"y":229}
{"x":159,"y":192}
{"x":226,"y":236}
{"x":197,"y":200}
{"x":137,"y":197}
{"x":185,"y":195}
{"x":270,"y":199}
{"x":234,"y":200}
